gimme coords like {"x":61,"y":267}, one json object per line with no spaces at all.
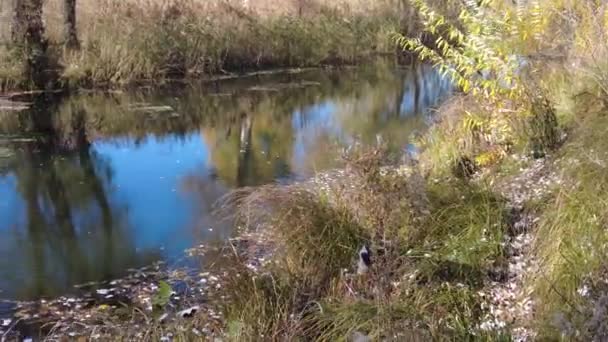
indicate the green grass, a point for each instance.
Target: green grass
{"x":572,"y":239}
{"x":435,"y":238}
{"x":430,"y":261}
{"x":439,"y":236}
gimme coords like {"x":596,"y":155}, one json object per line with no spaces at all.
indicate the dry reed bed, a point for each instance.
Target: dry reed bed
{"x":126,"y":42}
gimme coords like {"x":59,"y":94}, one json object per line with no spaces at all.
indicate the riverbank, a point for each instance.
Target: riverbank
{"x":453,"y":255}
{"x":498,"y":235}
{"x":502,"y":255}
{"x":300,"y":107}
{"x":495,"y":230}
{"x":155,"y":302}
{"x":139,"y":42}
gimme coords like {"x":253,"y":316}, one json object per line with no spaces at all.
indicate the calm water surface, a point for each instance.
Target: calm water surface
{"x":95,"y":184}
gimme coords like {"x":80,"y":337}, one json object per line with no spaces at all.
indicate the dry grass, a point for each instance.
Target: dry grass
{"x":432,"y":246}
{"x":133,"y":41}
{"x":434,"y":238}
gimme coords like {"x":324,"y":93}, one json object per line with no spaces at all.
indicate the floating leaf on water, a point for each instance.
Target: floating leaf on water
{"x":103,"y":292}
{"x":6,"y":152}
{"x":7,"y":105}
{"x":310,"y":83}
{"x":153,"y":109}
{"x":89,"y":284}
{"x":263,"y":89}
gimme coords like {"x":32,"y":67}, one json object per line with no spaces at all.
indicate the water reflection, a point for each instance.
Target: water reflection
{"x":59,"y":227}
{"x":97,"y":183}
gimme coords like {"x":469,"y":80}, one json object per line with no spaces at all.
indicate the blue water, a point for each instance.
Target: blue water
{"x":115,"y":184}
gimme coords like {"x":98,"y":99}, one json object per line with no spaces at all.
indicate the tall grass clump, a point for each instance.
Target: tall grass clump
{"x":571,"y":241}
{"x":315,"y":242}
{"x":315,"y":228}
{"x":11,"y":71}
{"x":432,"y":245}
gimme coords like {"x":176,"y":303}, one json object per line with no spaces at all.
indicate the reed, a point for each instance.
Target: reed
{"x":125,"y":42}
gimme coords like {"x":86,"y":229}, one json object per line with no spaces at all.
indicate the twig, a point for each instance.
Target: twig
{"x":4,"y":336}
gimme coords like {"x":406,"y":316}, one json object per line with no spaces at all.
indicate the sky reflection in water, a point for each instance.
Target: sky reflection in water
{"x":122,"y":180}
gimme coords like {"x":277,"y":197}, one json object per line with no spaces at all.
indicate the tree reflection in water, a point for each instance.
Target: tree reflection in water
{"x":70,"y":233}
{"x":98,"y":183}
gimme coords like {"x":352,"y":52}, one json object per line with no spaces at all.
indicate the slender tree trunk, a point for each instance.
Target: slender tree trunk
{"x":97,"y":188}
{"x":71,"y":35}
{"x":417,"y":86}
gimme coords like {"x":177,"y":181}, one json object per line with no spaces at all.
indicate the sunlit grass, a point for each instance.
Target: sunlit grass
{"x":571,"y":240}
{"x":11,"y":71}
{"x":436,"y":236}
{"x":144,"y":41}
{"x":433,"y":250}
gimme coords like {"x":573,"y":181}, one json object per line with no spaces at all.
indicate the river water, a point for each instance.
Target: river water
{"x":98,"y":183}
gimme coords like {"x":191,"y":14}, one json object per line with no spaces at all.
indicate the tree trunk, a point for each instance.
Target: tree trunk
{"x":27,"y":25}
{"x":71,"y":35}
{"x":18,"y":27}
{"x":28,"y":33}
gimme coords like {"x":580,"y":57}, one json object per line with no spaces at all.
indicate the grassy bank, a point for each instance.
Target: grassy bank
{"x":123,"y":42}
{"x":433,"y":245}
{"x":446,"y":238}
{"x":571,"y":283}
{"x":449,"y":231}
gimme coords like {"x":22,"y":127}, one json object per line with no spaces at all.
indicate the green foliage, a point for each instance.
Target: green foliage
{"x":263,"y":307}
{"x":162,"y":296}
{"x":505,"y":103}
{"x":466,"y":226}
{"x":466,"y":51}
{"x":571,"y":286}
